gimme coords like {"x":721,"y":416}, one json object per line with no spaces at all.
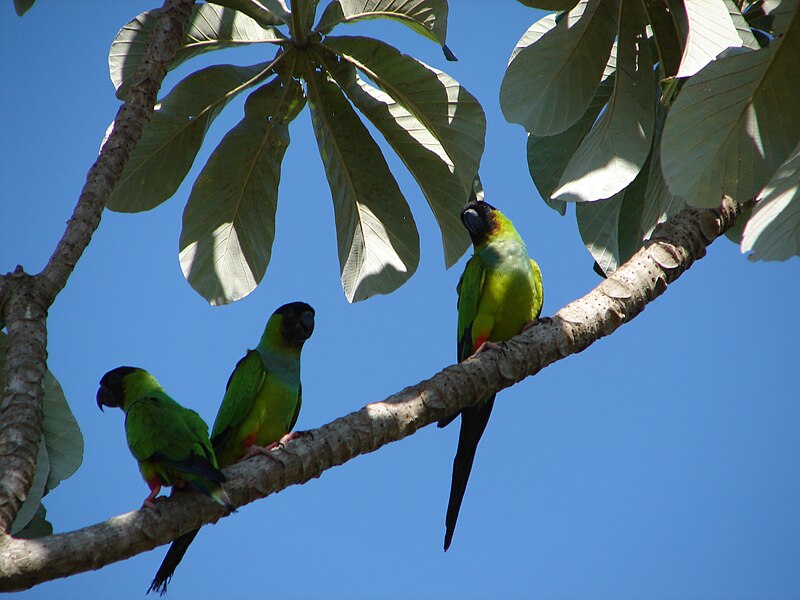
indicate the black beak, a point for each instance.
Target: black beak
{"x":307,"y":323}
{"x":101,"y":393}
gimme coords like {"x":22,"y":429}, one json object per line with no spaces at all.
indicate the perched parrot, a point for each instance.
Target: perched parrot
{"x":260,"y":408}
{"x":169,"y":442}
{"x":499,"y":294}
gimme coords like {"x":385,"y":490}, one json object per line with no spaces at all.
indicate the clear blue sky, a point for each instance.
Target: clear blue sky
{"x":663,"y":462}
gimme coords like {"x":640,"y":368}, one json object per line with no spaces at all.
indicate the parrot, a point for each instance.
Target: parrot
{"x":169,"y":442}
{"x":260,"y":407}
{"x":499,"y":295}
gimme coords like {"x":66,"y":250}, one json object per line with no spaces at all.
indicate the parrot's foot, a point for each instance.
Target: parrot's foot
{"x":536,"y":322}
{"x":262,"y":451}
{"x":487,"y":345}
{"x":292,"y":435}
{"x":151,"y":504}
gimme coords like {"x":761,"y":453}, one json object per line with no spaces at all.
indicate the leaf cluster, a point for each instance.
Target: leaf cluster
{"x":431,"y":122}
{"x":635,"y":109}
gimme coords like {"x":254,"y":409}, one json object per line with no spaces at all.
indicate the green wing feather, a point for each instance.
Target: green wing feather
{"x":469,"y":291}
{"x":243,"y":385}
{"x":297,"y":409}
{"x":161,"y":430}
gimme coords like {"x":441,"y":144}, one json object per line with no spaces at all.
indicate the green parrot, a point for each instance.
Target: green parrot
{"x":169,"y":442}
{"x":260,"y":407}
{"x":499,"y":295}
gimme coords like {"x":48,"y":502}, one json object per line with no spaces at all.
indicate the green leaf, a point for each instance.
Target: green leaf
{"x":22,"y":6}
{"x":667,"y":21}
{"x":419,"y":149}
{"x":37,"y":527}
{"x":550,"y":4}
{"x":378,"y":241}
{"x":444,"y":107}
{"x":611,"y":228}
{"x":426,"y":17}
{"x":742,"y":28}
{"x":772,"y":16}
{"x":174,"y":134}
{"x":550,"y":84}
{"x":773,"y":232}
{"x":659,"y":204}
{"x":711,"y":30}
{"x":266,"y":12}
{"x":229,"y":220}
{"x":734,"y":124}
{"x":210,"y":28}
{"x":32,"y":502}
{"x":612,"y":154}
{"x":62,"y":436}
{"x":548,"y":156}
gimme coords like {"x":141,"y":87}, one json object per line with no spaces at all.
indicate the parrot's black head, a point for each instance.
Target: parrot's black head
{"x":479,"y":219}
{"x":297,"y":323}
{"x":112,"y":388}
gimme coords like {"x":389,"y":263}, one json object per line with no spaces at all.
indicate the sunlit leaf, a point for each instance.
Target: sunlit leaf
{"x":611,"y":228}
{"x":773,"y":232}
{"x":426,"y":17}
{"x":742,"y":28}
{"x":734,"y":124}
{"x":549,"y":85}
{"x":420,"y":150}
{"x":229,"y":220}
{"x":439,"y":102}
{"x":210,"y":28}
{"x":266,"y":12}
{"x":377,"y":238}
{"x":548,"y":156}
{"x":174,"y":134}
{"x":613,"y":152}
{"x":711,"y":30}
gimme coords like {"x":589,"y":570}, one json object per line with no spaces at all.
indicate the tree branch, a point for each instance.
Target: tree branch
{"x":24,"y":300}
{"x":675,"y":246}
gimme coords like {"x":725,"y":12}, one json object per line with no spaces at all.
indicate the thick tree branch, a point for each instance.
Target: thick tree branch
{"x":24,"y":300}
{"x":673,"y":249}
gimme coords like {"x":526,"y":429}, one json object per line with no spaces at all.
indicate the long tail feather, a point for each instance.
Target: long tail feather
{"x":171,"y":561}
{"x":473,"y":424}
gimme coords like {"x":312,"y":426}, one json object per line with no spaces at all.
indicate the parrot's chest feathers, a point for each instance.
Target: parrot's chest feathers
{"x":284,"y":367}
{"x":506,"y":256}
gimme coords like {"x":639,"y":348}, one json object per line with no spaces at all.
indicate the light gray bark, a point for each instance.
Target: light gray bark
{"x":675,"y":246}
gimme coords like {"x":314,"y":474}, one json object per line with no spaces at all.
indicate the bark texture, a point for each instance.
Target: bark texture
{"x":25,"y":299}
{"x":675,"y":246}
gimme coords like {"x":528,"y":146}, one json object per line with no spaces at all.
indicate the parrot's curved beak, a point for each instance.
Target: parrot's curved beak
{"x":101,"y":393}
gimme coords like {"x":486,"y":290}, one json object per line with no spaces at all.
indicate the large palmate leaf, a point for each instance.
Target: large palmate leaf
{"x":266,"y":12}
{"x":773,"y":232}
{"x":734,"y":124}
{"x":427,"y":17}
{"x":445,"y":108}
{"x":548,"y":85}
{"x":37,"y":527}
{"x":377,"y":239}
{"x":174,"y":134}
{"x":611,"y":228}
{"x":418,"y":148}
{"x":229,"y":221}
{"x":211,"y":28}
{"x":711,"y":30}
{"x":548,"y":156}
{"x":613,"y":152}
